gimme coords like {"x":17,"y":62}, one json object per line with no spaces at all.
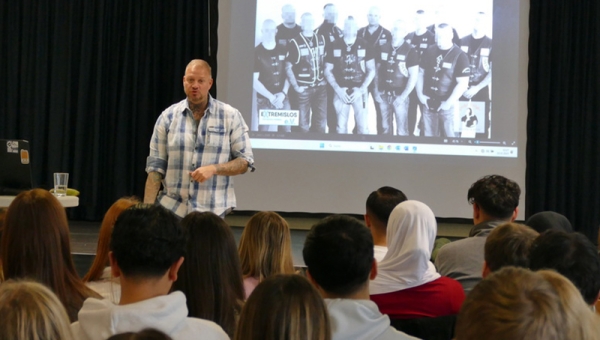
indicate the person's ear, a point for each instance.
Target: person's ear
{"x":367,"y":221}
{"x":515,"y":214}
{"x":486,"y":270}
{"x":174,"y":269}
{"x":115,"y":271}
{"x":315,"y":284}
{"x":476,"y":211}
{"x":373,"y":273}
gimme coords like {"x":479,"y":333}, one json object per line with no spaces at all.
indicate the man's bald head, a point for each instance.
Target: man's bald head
{"x":374,"y":16}
{"x":288,"y":14}
{"x":307,"y":22}
{"x":269,"y":30}
{"x":198,"y":63}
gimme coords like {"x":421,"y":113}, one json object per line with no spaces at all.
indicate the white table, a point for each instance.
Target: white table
{"x":66,"y":201}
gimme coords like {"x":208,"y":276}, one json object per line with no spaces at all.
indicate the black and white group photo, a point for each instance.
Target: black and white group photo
{"x":389,"y":68}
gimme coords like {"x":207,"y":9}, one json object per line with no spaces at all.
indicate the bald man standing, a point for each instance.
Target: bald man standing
{"x":288,"y":29}
{"x":270,"y":81}
{"x":349,"y":69}
{"x":196,"y":146}
{"x":376,"y":36}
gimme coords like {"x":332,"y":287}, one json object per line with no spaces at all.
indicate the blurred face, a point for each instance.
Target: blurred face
{"x":374,"y":16}
{"x":420,"y":20}
{"x":400,"y":30}
{"x":196,"y":83}
{"x":288,"y":14}
{"x":350,"y":29}
{"x":307,"y":22}
{"x":443,"y":36}
{"x":268,"y":31}
{"x":479,"y":24}
{"x":331,"y":14}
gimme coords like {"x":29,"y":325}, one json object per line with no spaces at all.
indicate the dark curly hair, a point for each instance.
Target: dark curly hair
{"x":496,"y":195}
{"x":147,"y":240}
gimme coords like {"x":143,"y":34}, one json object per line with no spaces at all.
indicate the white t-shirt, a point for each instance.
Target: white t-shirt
{"x":380,"y":252}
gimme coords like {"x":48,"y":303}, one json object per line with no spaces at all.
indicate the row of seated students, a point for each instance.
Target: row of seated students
{"x":188,"y":280}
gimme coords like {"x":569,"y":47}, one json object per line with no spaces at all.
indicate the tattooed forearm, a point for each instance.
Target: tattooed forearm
{"x":152,"y":187}
{"x":231,"y":168}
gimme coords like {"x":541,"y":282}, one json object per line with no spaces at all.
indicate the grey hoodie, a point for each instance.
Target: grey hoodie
{"x":100,"y":319}
{"x":360,"y":320}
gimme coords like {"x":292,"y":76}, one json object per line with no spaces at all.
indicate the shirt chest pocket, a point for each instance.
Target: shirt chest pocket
{"x":215,"y":137}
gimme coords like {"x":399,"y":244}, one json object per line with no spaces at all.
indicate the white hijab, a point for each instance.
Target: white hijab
{"x":411,"y":231}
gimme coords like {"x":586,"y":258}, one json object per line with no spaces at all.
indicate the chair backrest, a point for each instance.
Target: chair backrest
{"x":438,"y":328}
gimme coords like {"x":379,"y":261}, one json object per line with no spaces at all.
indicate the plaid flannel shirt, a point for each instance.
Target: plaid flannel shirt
{"x":179,"y":146}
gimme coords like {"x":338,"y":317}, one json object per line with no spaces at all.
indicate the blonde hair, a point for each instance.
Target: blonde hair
{"x":580,"y":320}
{"x":31,"y":311}
{"x":515,"y":303}
{"x":265,"y":246}
{"x":284,"y":306}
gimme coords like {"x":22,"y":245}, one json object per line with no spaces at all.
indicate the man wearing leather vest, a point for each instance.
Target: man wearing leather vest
{"x":396,"y":77}
{"x":331,"y":33}
{"x":349,"y":69}
{"x":443,"y":77}
{"x":478,"y":48}
{"x":304,"y":69}
{"x":376,"y":36}
{"x":420,"y":40}
{"x":270,"y":81}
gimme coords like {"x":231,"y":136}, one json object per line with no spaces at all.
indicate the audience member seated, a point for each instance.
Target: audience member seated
{"x":338,"y":253}
{"x":147,"y":247}
{"x":380,"y":204}
{"x":495,"y":201}
{"x":265,"y":249}
{"x":407,"y":285}
{"x":146,"y":334}
{"x":210,"y":277}
{"x":98,"y":277}
{"x":508,"y":245}
{"x":572,"y":255}
{"x":515,"y":303}
{"x":547,"y":220}
{"x":284,"y":306}
{"x":36,"y":246}
{"x":29,"y":310}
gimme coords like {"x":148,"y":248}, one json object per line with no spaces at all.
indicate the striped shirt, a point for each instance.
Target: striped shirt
{"x":179,"y":146}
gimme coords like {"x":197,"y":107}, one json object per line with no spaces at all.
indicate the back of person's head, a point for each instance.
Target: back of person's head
{"x":36,"y":245}
{"x":512,"y":303}
{"x":108,"y":223}
{"x":146,"y":241}
{"x":284,"y":306}
{"x":265,"y":246}
{"x":210,"y":276}
{"x":338,"y":252}
{"x":411,"y":233}
{"x":496,"y":195}
{"x":29,"y":310}
{"x":572,"y":255}
{"x":382,"y":201}
{"x":509,"y":245}
{"x":547,"y":220}
{"x":146,"y":334}
{"x":580,"y":320}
